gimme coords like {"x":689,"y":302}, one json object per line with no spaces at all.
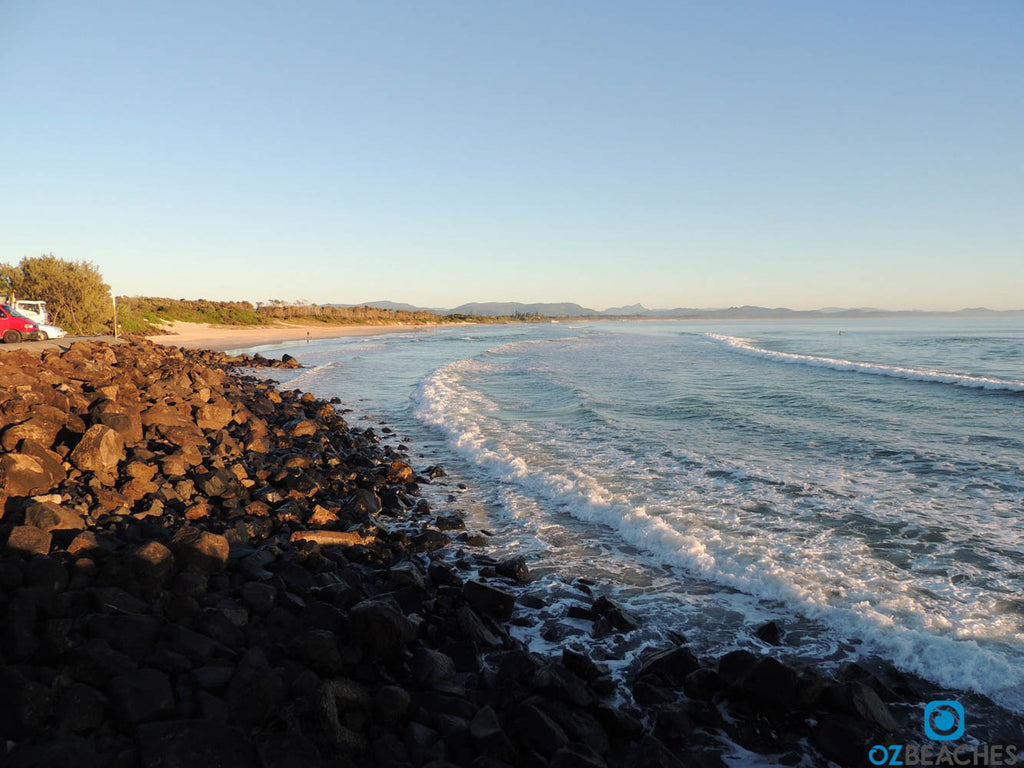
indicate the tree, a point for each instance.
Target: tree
{"x":76,"y":297}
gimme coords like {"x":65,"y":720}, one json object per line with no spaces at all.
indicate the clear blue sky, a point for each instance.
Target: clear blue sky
{"x":799,"y":154}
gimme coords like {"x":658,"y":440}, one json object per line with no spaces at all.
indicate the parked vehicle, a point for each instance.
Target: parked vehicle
{"x":36,"y":312}
{"x":50,"y":332}
{"x":33,"y":310}
{"x":15,"y":327}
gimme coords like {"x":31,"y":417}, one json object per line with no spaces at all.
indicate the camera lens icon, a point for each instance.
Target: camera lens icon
{"x":944,"y":720}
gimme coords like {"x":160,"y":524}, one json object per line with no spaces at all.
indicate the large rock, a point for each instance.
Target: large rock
{"x":219,"y":483}
{"x":429,"y":667}
{"x":48,"y":516}
{"x":200,"y":550}
{"x":400,"y":472}
{"x":214,"y":416}
{"x":99,"y":450}
{"x":37,"y":429}
{"x":24,"y":475}
{"x":617,"y":617}
{"x":141,"y":696}
{"x":773,"y":683}
{"x":514,"y":568}
{"x":28,"y":540}
{"x":489,"y":737}
{"x":127,"y":423}
{"x":489,"y":600}
{"x":380,"y":628}
{"x":363,"y":502}
{"x":670,"y":665}
{"x":537,"y":732}
{"x":151,"y":564}
{"x":860,"y":701}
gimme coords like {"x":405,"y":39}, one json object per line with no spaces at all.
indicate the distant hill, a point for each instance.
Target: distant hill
{"x":505,"y":308}
{"x":745,"y":312}
{"x":632,"y":309}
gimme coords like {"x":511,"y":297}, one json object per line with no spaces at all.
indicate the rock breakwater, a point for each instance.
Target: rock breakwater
{"x":200,"y":569}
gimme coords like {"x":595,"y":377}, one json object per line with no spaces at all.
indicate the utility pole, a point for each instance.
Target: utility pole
{"x":115,"y":316}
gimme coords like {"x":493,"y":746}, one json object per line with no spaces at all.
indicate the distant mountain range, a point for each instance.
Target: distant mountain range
{"x":747,"y":312}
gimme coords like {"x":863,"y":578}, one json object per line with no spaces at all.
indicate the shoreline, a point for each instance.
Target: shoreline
{"x":223,"y":338}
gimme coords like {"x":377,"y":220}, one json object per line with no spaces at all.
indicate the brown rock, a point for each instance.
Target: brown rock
{"x":86,"y":541}
{"x":37,"y":429}
{"x":200,"y":550}
{"x":48,"y":516}
{"x":214,"y":416}
{"x":152,"y":563}
{"x":300,"y":428}
{"x":109,"y":500}
{"x":99,"y":450}
{"x":140,"y":470}
{"x":23,"y":475}
{"x":198,"y":510}
{"x":137,"y":488}
{"x":165,"y":416}
{"x":127,"y":422}
{"x":174,"y":464}
{"x":257,"y":509}
{"x":186,"y":437}
{"x":336,"y":538}
{"x":50,"y":461}
{"x":322,"y":516}
{"x":28,"y":540}
{"x":400,"y":472}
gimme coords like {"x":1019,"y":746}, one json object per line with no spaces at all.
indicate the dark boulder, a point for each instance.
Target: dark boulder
{"x":670,"y":665}
{"x":142,"y":696}
{"x":489,"y":600}
{"x":843,"y":739}
{"x":255,"y":691}
{"x":770,"y":633}
{"x":858,"y":700}
{"x":24,"y":705}
{"x":430,"y":667}
{"x":618,"y":618}
{"x":514,"y":568}
{"x":191,"y":743}
{"x":536,"y":732}
{"x":773,"y":683}
{"x":734,"y":667}
{"x":489,"y":737}
{"x":380,"y":628}
{"x":428,"y":541}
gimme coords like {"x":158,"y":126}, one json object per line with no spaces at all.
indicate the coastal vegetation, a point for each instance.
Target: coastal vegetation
{"x":76,"y":297}
{"x":144,"y":314}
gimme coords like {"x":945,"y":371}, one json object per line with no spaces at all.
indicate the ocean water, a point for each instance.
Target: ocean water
{"x":861,"y":482}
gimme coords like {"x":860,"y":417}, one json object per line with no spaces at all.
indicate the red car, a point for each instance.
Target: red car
{"x":14,"y":327}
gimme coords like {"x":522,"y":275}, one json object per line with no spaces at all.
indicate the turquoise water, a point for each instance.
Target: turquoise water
{"x":862,"y":483}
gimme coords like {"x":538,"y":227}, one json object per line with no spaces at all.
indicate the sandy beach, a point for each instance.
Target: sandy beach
{"x":224,"y":337}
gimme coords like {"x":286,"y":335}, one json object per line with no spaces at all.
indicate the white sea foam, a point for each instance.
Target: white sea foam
{"x":832,"y":579}
{"x":746,"y":346}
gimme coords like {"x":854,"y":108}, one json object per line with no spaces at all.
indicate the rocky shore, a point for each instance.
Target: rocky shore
{"x":199,"y":569}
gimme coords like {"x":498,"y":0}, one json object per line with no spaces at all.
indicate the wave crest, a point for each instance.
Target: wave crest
{"x":970,"y":381}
